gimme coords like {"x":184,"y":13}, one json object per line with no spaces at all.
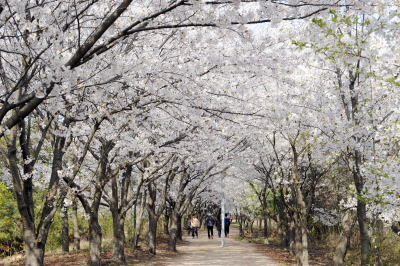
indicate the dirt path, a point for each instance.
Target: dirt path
{"x":202,"y":251}
{"x":198,"y":251}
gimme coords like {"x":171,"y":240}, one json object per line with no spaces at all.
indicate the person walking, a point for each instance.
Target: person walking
{"x":219,"y":226}
{"x":195,"y":224}
{"x":189,"y":227}
{"x":210,"y":225}
{"x":227,"y":224}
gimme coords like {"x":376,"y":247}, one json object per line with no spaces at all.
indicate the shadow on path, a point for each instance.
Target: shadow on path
{"x":204,"y":251}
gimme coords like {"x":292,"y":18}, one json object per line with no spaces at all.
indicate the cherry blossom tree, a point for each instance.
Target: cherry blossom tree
{"x":365,"y":81}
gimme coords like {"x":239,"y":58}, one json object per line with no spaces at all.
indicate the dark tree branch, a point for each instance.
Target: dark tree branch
{"x":95,"y":36}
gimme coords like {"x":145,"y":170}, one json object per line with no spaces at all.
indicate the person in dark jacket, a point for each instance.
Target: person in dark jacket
{"x":210,"y":225}
{"x":227,"y":224}
{"x":219,"y":226}
{"x":188,"y":227}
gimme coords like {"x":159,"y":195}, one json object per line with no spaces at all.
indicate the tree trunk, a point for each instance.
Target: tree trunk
{"x":138,"y":223}
{"x":265,"y":222}
{"x":297,"y":241}
{"x":95,"y":231}
{"x":241,"y":221}
{"x":179,"y":228}
{"x":301,"y":241}
{"x":283,"y":234}
{"x":151,"y":234}
{"x":292,"y":237}
{"x":118,"y":218}
{"x":301,"y":238}
{"x":77,"y":237}
{"x":34,"y":249}
{"x":358,"y":161}
{"x":138,"y":219}
{"x":300,"y":213}
{"x":362,"y":212}
{"x":154,"y":214}
{"x":95,"y":240}
{"x":34,"y":245}
{"x":304,"y":240}
{"x":35,"y":237}
{"x":167,"y":220}
{"x":348,"y":220}
{"x":364,"y":234}
{"x":173,"y":232}
{"x":65,"y":231}
{"x":118,"y":255}
{"x":131,"y":228}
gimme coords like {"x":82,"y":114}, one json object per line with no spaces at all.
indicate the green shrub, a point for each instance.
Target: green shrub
{"x":10,"y":223}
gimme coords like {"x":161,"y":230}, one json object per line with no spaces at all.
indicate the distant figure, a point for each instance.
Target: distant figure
{"x":195,"y":224}
{"x":210,"y":225}
{"x":231,"y":217}
{"x":227,"y":224}
{"x":189,"y":227}
{"x":219,"y":226}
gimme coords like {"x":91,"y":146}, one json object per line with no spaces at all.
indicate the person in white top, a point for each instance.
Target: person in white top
{"x":195,"y":224}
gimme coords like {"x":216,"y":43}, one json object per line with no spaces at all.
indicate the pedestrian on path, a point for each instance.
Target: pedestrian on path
{"x":227,"y":224}
{"x":189,"y":227}
{"x":210,"y":225}
{"x":195,"y":224}
{"x":219,"y":226}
